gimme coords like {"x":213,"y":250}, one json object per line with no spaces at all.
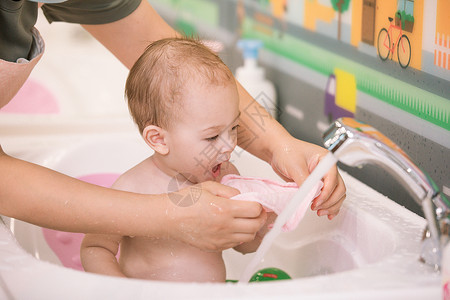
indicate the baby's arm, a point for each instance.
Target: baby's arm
{"x":98,"y":254}
{"x":99,"y":251}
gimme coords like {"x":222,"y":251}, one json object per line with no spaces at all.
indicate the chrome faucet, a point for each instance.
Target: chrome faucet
{"x":355,"y":144}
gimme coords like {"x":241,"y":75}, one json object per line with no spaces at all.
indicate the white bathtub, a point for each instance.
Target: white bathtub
{"x":370,"y":250}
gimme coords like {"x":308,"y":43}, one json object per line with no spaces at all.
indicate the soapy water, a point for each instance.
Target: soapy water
{"x":316,"y":175}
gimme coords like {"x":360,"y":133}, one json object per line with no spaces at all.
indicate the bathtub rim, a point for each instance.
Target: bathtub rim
{"x":300,"y":286}
{"x":305,"y":286}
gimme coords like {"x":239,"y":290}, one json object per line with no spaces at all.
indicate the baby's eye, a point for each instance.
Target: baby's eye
{"x":235,"y":127}
{"x":213,"y":138}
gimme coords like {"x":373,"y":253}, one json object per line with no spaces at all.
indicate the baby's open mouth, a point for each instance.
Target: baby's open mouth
{"x":216,"y":170}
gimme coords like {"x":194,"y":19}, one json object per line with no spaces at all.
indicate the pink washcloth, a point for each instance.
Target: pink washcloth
{"x":272,"y":195}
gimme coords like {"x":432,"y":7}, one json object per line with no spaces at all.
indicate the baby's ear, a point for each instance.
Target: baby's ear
{"x":154,"y":136}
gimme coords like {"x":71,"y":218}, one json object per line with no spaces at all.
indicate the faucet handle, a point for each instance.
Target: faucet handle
{"x":352,"y":126}
{"x":355,"y":143}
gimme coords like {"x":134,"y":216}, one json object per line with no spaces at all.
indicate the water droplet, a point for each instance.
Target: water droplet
{"x":216,"y":206}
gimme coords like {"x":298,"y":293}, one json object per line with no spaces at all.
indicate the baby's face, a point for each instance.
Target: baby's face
{"x":206,"y":132}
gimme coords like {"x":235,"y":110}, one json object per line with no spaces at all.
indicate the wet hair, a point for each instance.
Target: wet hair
{"x":155,"y":84}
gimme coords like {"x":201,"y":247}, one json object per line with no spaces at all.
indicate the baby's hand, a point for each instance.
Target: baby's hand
{"x":271,"y":217}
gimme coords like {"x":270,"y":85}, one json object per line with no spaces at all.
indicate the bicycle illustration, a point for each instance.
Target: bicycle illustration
{"x":401,"y":42}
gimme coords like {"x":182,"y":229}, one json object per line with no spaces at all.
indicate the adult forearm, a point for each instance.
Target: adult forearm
{"x":127,"y":38}
{"x":47,"y":198}
{"x":258,"y":132}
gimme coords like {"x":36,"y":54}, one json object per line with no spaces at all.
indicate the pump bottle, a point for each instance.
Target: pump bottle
{"x":252,"y":77}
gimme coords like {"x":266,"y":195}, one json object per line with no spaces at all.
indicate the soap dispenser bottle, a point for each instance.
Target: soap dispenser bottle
{"x":252,"y":77}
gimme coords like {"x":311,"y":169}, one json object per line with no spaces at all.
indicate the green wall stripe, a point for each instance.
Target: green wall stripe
{"x":195,"y":10}
{"x":421,"y":103}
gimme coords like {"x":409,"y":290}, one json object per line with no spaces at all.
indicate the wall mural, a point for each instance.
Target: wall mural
{"x":414,"y":34}
{"x":386,"y":63}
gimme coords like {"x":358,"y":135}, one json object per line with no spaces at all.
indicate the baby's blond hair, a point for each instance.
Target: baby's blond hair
{"x":155,"y":84}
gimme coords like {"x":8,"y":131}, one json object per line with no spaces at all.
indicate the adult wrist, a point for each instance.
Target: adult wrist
{"x":276,"y":138}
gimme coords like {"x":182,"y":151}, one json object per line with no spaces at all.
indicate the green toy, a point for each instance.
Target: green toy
{"x":269,"y":274}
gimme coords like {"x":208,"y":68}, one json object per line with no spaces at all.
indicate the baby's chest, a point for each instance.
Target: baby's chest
{"x":162,"y":248}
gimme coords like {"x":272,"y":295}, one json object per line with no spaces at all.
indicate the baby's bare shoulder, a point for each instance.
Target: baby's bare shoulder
{"x":142,"y":178}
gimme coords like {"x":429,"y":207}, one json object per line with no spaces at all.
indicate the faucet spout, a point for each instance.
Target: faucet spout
{"x":354,"y":144}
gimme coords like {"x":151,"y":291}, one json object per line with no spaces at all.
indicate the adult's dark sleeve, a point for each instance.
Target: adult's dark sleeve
{"x":89,"y":12}
{"x":17,"y":18}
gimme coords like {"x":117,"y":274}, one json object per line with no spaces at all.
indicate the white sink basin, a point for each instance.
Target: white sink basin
{"x":370,"y":250}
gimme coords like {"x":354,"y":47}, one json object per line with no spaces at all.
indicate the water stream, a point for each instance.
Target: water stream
{"x":317,"y":174}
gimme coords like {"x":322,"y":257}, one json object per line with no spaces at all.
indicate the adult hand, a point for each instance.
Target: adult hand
{"x":212,"y":222}
{"x":295,"y":159}
{"x":292,"y":159}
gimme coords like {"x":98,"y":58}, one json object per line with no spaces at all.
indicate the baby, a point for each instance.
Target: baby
{"x":187,"y":110}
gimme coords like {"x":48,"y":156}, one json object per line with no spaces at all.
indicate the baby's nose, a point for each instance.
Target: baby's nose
{"x":230,"y":142}
{"x":225,"y":156}
{"x":229,"y":145}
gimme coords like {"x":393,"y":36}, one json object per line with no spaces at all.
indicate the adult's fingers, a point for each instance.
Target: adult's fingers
{"x":238,"y":208}
{"x":215,"y":223}
{"x":220,"y":190}
{"x":249,"y":225}
{"x":245,"y":209}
